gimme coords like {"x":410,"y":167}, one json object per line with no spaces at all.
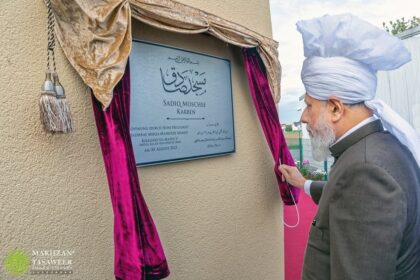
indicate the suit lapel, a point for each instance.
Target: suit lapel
{"x":338,"y":148}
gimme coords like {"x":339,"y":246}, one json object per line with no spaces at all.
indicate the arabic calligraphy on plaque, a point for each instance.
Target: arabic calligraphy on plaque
{"x":183,"y":59}
{"x":187,"y":81}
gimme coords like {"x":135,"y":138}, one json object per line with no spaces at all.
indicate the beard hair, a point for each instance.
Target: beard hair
{"x":323,"y":136}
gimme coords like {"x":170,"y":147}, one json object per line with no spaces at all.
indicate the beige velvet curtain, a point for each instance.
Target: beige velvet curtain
{"x":95,"y":35}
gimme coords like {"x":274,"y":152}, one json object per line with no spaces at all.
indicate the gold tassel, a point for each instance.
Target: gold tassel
{"x":64,"y":115}
{"x":53,"y":105}
{"x":48,"y":105}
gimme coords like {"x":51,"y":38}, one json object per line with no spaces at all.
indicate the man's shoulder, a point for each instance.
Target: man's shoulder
{"x":383,"y":150}
{"x":379,"y":148}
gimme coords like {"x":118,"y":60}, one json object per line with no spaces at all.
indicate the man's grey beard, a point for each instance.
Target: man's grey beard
{"x":322,"y":138}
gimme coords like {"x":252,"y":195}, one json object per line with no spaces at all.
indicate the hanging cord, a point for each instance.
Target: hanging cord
{"x":51,"y":37}
{"x":294,"y":203}
{"x":297,"y":210}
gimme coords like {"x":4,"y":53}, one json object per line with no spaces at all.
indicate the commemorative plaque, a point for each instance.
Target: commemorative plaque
{"x":181,"y":104}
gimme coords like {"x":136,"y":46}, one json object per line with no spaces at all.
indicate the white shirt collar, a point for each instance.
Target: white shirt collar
{"x":354,"y":128}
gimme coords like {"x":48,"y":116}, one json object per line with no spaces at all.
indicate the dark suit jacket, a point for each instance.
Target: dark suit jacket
{"x":368,"y":220}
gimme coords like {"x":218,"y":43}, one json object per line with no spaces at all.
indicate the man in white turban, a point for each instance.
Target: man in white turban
{"x":368,"y":220}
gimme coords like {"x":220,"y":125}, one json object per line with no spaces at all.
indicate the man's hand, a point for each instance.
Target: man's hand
{"x":292,"y":175}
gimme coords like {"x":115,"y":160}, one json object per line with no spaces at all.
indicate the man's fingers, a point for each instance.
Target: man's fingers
{"x":284,"y":171}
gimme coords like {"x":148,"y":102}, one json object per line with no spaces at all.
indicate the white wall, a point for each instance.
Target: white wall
{"x":400,"y":88}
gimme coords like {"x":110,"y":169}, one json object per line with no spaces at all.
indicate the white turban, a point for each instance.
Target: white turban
{"x":343,"y":54}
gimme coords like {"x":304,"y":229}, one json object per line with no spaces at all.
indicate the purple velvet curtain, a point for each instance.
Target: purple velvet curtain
{"x":269,"y":119}
{"x":138,"y":251}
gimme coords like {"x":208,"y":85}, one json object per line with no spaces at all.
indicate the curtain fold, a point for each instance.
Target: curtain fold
{"x":95,"y":36}
{"x":270,"y":123}
{"x":138,"y":250}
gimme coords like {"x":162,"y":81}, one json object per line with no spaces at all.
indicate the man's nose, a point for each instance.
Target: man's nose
{"x":303,"y":118}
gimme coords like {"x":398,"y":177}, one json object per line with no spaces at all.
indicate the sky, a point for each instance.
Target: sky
{"x":285,"y":14}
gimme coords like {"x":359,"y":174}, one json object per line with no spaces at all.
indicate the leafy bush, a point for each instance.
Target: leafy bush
{"x":401,"y":25}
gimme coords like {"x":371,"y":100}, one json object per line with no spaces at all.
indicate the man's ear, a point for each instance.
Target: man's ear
{"x":335,"y":108}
